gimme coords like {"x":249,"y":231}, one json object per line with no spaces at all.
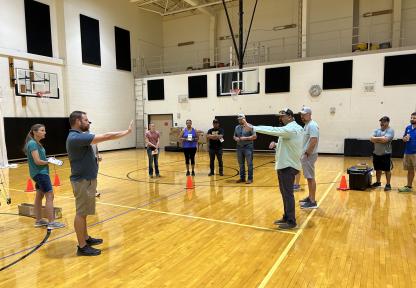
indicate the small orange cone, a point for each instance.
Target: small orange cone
{"x":189,"y":184}
{"x":343,"y":185}
{"x":56,"y":181}
{"x":29,"y":186}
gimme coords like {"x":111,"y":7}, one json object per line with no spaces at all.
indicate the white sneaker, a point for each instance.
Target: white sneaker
{"x":41,"y":223}
{"x":55,"y":225}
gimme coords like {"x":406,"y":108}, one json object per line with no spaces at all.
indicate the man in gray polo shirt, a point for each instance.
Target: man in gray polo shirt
{"x":83,"y":177}
{"x":382,"y":138}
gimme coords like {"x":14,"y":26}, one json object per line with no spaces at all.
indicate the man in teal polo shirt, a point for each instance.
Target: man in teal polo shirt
{"x":288,"y":153}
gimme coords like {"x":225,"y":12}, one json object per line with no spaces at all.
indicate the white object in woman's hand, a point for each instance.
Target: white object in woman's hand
{"x":55,"y":161}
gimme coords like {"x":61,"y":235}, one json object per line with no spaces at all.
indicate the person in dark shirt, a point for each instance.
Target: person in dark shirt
{"x":84,"y":169}
{"x":215,"y":136}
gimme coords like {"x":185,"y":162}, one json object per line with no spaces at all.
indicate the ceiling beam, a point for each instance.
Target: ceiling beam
{"x":195,"y":7}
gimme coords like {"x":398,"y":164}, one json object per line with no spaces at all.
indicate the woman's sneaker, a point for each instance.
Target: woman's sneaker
{"x":55,"y":225}
{"x":41,"y":223}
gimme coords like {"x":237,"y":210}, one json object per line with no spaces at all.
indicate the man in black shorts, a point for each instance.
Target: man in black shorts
{"x":382,"y":138}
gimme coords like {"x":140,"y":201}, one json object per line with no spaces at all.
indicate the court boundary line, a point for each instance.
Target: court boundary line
{"x":188,"y":216}
{"x":198,"y":218}
{"x":289,"y":246}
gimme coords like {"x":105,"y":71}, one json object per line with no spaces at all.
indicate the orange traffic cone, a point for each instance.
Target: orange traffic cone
{"x":343,"y":185}
{"x":189,"y":184}
{"x":56,"y":181}
{"x":29,"y":186}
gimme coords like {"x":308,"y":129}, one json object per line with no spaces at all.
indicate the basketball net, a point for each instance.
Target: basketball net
{"x":44,"y":96}
{"x":234,"y":93}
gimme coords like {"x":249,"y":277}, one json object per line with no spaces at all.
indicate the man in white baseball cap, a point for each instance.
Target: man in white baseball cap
{"x":309,"y":156}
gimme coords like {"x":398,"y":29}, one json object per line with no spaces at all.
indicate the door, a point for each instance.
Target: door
{"x":163,"y":123}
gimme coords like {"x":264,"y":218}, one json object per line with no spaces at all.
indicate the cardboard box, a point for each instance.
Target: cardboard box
{"x":26,"y":209}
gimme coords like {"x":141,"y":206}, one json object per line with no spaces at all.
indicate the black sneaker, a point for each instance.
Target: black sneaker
{"x":221,"y":174}
{"x":305,"y":200}
{"x":193,"y":173}
{"x":309,"y":205}
{"x":387,"y":187}
{"x":280,"y":221}
{"x":287,"y":226}
{"x":88,"y":251}
{"x":376,"y":184}
{"x":211,"y":174}
{"x":187,"y":173}
{"x":93,"y":241}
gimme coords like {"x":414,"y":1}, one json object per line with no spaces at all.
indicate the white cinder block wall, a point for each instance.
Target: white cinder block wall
{"x":104,"y":92}
{"x":356,"y":115}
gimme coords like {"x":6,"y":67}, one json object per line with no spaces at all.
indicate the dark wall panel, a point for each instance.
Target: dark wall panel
{"x":155,"y":89}
{"x":16,"y":129}
{"x":337,"y":75}
{"x":400,"y":70}
{"x":90,"y":40}
{"x":277,"y":80}
{"x":123,"y":56}
{"x":38,"y":28}
{"x":197,"y":86}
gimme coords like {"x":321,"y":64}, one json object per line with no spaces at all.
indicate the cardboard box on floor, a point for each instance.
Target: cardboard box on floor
{"x":26,"y":209}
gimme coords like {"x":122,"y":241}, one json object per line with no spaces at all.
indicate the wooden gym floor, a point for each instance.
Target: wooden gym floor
{"x":221,"y":234}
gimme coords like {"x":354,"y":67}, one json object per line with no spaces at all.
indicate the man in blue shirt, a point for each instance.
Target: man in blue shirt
{"x":409,"y":160}
{"x":245,"y":147}
{"x":288,"y":153}
{"x":84,"y":169}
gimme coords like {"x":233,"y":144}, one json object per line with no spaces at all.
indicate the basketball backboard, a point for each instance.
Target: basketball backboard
{"x":33,"y":83}
{"x":246,"y":80}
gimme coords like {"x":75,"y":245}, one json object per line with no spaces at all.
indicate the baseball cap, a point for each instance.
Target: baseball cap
{"x":215,"y":121}
{"x":241,"y":116}
{"x":285,"y":111}
{"x":306,"y":110}
{"x":384,"y":119}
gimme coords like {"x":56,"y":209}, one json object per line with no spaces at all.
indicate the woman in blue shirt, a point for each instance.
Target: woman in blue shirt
{"x":39,"y":172}
{"x":189,"y":139}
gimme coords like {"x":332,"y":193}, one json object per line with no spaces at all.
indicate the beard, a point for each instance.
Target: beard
{"x":84,"y":128}
{"x":413,"y":122}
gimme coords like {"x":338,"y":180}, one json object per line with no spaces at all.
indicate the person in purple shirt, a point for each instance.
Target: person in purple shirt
{"x":409,"y":159}
{"x":189,"y":139}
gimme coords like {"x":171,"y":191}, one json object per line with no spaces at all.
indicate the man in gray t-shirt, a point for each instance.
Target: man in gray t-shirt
{"x":382,"y":138}
{"x":309,"y":156}
{"x":245,"y":147}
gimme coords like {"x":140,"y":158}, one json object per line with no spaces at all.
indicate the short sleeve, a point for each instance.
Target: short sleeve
{"x":82,"y":139}
{"x":390,"y":134}
{"x":313,"y":131}
{"x":32,"y":146}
